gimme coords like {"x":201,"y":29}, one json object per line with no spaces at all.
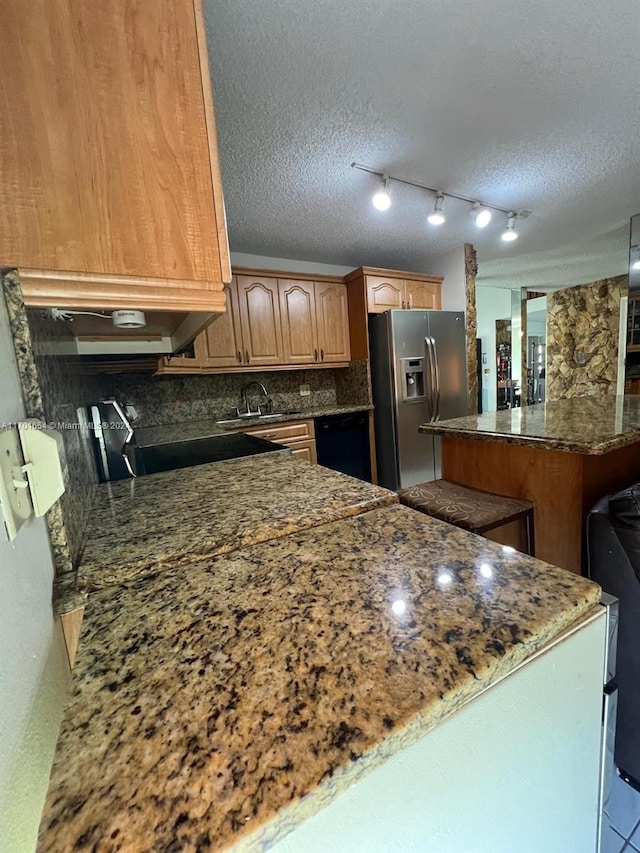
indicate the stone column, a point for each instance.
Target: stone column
{"x":470,"y":270}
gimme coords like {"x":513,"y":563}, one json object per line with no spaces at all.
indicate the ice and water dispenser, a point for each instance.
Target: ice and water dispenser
{"x":412,"y":378}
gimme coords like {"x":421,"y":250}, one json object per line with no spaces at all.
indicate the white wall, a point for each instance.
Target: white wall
{"x":34,"y":672}
{"x":493,"y":303}
{"x":241,"y":259}
{"x":452,"y":267}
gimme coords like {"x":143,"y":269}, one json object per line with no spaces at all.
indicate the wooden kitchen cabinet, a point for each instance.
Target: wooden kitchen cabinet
{"x":385,"y":293}
{"x":332,"y":315}
{"x":260,"y":320}
{"x":221,"y":345}
{"x":315,"y":321}
{"x":111,"y":190}
{"x":298,"y":435}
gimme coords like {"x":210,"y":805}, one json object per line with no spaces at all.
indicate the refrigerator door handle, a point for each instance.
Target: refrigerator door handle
{"x":436,"y":372}
{"x":432,"y":387}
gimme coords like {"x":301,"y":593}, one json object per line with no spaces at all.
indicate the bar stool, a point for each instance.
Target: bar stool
{"x":470,"y":509}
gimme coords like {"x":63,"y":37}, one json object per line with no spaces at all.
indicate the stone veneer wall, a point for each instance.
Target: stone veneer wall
{"x":470,"y":272}
{"x":582,"y":339}
{"x":53,"y":391}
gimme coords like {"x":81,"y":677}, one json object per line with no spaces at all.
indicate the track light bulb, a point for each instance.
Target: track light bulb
{"x":437,"y":217}
{"x":481,"y":215}
{"x":510,"y":234}
{"x":382,"y":199}
{"x":635,"y":265}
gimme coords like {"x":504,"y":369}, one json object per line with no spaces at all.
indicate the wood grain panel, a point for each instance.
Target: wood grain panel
{"x":332,"y":315}
{"x":283,"y":433}
{"x":58,"y":289}
{"x":305,"y":450}
{"x":107,"y":142}
{"x":551,"y":479}
{"x":299,"y":321}
{"x":384,"y":294}
{"x":423,"y":295}
{"x":260,"y":320}
{"x":220,"y":345}
{"x":71,"y":628}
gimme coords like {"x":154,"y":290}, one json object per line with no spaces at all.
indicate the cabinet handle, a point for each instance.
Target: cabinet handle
{"x":246,"y":355}
{"x":409,"y":303}
{"x":315,"y":355}
{"x":322,"y":354}
{"x":403,"y":303}
{"x":239,"y":356}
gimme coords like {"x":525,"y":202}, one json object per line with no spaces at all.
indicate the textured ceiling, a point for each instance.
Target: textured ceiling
{"x":524,"y":105}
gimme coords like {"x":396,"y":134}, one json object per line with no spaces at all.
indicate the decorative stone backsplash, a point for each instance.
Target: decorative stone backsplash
{"x":53,"y":391}
{"x":471,"y":315}
{"x":179,"y":399}
{"x":582,"y":339}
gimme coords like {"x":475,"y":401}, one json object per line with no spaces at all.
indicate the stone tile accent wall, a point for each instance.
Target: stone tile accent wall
{"x":582,"y":339}
{"x":471,"y":314}
{"x":353,"y":384}
{"x":53,"y":392}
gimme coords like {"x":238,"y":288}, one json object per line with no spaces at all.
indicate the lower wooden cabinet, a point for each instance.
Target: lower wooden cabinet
{"x":298,"y":435}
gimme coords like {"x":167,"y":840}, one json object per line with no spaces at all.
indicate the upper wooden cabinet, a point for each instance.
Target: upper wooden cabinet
{"x":272,"y":322}
{"x":220,"y":345}
{"x":260,"y":320}
{"x":387,"y":292}
{"x":110,"y":183}
{"x":315,"y":321}
{"x":384,"y":294}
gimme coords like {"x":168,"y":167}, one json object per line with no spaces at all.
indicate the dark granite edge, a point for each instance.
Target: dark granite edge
{"x":217,"y":428}
{"x":537,"y":442}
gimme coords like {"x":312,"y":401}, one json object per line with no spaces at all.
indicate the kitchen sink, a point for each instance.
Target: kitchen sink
{"x":271,"y":416}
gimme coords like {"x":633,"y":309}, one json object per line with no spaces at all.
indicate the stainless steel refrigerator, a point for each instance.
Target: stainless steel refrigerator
{"x":418,"y":375}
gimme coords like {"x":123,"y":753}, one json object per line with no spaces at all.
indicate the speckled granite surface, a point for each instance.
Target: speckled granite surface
{"x":222,"y":705}
{"x":589,"y":425}
{"x":176,"y":518}
{"x":53,"y":392}
{"x":169,"y":433}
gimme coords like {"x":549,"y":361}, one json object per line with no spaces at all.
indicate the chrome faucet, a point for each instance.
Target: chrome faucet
{"x":248,"y":412}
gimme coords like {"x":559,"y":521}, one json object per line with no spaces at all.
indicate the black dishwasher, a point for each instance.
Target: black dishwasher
{"x":342,"y":443}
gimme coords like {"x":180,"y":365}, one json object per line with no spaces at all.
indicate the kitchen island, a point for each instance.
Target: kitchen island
{"x":562,"y":455}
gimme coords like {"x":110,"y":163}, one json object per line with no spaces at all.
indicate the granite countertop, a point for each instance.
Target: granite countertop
{"x":168,"y":433}
{"x":219,"y":705}
{"x":588,"y":425}
{"x":177,"y":518}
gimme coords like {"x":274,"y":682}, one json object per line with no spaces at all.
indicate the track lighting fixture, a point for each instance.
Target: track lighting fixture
{"x":437,"y":217}
{"x":382,"y":199}
{"x":636,"y":264}
{"x":481,"y":212}
{"x":635,"y":258}
{"x":481,"y":215}
{"x":510,"y":234}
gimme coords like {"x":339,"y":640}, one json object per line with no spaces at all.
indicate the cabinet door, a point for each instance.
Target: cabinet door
{"x":384,"y":293}
{"x":298,"y":316}
{"x":305,"y":450}
{"x":333,"y":321}
{"x":260,"y":320}
{"x":109,"y":155}
{"x":220,"y":345}
{"x":422,"y":294}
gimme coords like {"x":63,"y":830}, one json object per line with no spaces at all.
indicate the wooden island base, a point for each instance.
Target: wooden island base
{"x":563,"y":485}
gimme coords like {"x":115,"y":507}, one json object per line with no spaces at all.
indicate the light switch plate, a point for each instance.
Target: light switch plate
{"x":43,"y":452}
{"x":14,"y":487}
{"x":305,"y":391}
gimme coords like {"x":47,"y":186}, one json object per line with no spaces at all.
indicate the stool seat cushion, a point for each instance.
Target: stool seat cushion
{"x":469,"y":508}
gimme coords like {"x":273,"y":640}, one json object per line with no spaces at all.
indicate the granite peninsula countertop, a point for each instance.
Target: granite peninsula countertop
{"x":176,"y":518}
{"x":587,"y":425}
{"x":217,"y":706}
{"x":168,"y":433}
